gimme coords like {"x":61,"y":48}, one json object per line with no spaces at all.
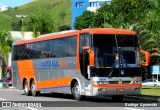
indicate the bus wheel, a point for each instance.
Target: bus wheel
{"x":76,"y":91}
{"x":117,"y":98}
{"x":26,"y":90}
{"x":33,"y":89}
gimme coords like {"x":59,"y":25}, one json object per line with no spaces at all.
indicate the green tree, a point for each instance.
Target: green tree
{"x":5,"y":47}
{"x":132,"y":10}
{"x":151,"y":23}
{"x":62,"y":15}
{"x":85,"y":20}
{"x":64,"y":27}
{"x":16,"y":24}
{"x":41,"y":23}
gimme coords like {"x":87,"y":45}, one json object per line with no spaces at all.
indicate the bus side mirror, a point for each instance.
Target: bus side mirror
{"x":91,"y":55}
{"x":147,"y":58}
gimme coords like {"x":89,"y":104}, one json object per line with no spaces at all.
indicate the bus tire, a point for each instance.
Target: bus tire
{"x":33,"y":89}
{"x":76,"y":92}
{"x":26,"y":89}
{"x":117,"y":98}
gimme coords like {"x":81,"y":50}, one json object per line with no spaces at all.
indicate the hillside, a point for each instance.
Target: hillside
{"x":53,"y":7}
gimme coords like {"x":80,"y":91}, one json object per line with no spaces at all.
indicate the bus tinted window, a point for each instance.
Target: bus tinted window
{"x":36,"y":49}
{"x":127,"y":40}
{"x":84,"y":41}
{"x":58,"y":47}
{"x":62,"y":47}
{"x":70,"y":46}
{"x":46,"y":49}
{"x":109,"y":40}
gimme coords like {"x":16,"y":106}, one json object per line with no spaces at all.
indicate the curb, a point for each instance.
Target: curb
{"x":11,"y":87}
{"x":4,"y":88}
{"x":144,"y":98}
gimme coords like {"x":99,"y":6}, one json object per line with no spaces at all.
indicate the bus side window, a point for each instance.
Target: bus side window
{"x":58,"y":47}
{"x":53,"y":48}
{"x":70,"y":46}
{"x":52,"y":54}
{"x":46,"y":49}
{"x":21,"y":52}
{"x":16,"y":53}
{"x":36,"y":49}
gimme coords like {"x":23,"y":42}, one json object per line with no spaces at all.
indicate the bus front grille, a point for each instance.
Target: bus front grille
{"x":117,"y":82}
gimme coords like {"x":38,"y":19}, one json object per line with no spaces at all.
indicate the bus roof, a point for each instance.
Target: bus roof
{"x":107,"y":31}
{"x":56,"y":33}
{"x":75,"y":32}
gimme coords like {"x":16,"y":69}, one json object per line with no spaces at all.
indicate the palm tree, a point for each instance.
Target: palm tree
{"x":5,"y":47}
{"x":40,"y":24}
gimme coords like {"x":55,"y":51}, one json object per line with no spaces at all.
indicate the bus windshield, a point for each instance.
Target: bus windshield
{"x":105,"y":49}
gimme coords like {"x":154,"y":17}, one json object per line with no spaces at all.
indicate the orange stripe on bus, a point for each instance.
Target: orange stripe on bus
{"x":55,"y":82}
{"x":26,"y":70}
{"x":117,"y":85}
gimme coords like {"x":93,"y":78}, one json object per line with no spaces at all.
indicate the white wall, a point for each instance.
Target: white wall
{"x":19,"y":35}
{"x":92,"y":9}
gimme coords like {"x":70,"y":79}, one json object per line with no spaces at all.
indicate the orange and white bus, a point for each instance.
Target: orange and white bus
{"x":88,"y":62}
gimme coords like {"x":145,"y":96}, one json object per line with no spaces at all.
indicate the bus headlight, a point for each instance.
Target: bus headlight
{"x":100,"y":82}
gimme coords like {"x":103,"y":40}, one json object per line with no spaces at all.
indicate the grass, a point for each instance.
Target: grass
{"x":151,"y":91}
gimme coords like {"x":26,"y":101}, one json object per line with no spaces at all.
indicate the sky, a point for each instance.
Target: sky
{"x":14,"y":3}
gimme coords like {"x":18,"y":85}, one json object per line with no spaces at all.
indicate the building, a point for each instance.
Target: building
{"x":78,"y":6}
{"x":3,"y":8}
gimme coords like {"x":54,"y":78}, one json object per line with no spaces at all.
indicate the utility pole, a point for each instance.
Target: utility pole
{"x":22,"y":21}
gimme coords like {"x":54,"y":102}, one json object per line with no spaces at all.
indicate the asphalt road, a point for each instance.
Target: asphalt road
{"x":48,"y":101}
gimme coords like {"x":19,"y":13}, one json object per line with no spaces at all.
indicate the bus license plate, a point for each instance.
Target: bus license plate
{"x":120,"y":90}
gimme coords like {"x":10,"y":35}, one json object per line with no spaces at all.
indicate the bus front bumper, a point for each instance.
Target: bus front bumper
{"x":116,"y":89}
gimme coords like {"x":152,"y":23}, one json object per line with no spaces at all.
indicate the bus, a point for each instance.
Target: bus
{"x":88,"y":62}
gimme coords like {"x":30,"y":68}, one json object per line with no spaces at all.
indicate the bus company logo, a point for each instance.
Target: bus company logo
{"x":48,"y":64}
{"x":63,"y":64}
{"x":54,"y":64}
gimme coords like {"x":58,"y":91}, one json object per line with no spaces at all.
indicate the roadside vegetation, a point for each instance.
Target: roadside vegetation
{"x":58,"y":10}
{"x":5,"y":47}
{"x":142,"y":16}
{"x":150,"y":91}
